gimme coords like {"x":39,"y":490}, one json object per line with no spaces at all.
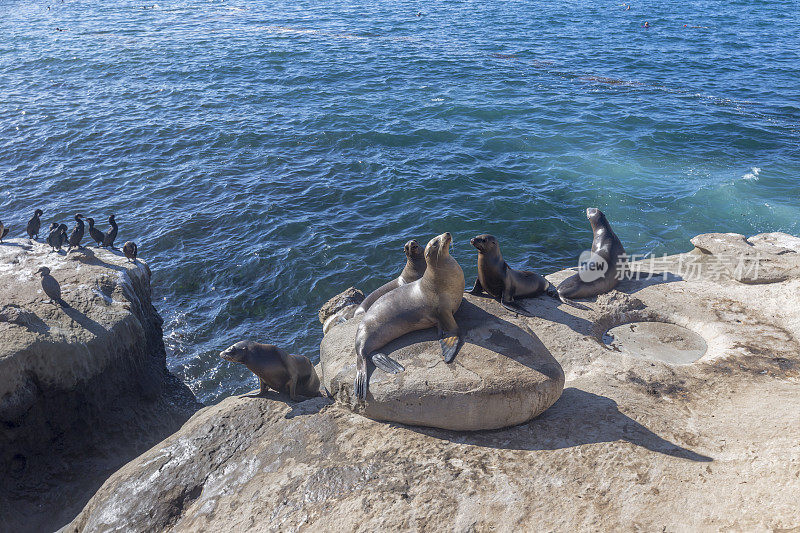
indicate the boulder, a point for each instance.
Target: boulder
{"x":345,"y":299}
{"x":83,"y":388}
{"x":502,"y":376}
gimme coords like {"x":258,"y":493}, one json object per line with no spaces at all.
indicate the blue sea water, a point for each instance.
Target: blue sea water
{"x":267,"y":155}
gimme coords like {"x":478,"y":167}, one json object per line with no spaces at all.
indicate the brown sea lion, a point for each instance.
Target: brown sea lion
{"x":276,"y":369}
{"x":430,"y":301}
{"x":414,"y":269}
{"x":599,"y":269}
{"x":501,"y":281}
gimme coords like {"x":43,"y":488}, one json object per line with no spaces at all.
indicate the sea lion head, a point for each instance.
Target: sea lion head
{"x":438,"y":249}
{"x":413,"y":250}
{"x":44,"y":271}
{"x":237,"y":353}
{"x":595,"y":216}
{"x":484,"y":243}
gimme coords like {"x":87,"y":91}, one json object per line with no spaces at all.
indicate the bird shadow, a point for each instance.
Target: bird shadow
{"x":577,"y":418}
{"x":17,"y":245}
{"x":87,"y":323}
{"x":88,"y":257}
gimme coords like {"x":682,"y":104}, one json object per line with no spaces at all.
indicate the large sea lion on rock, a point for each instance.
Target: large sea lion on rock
{"x":276,"y":369}
{"x":500,"y":280}
{"x":414,"y":269}
{"x":429,"y":301}
{"x":599,"y":269}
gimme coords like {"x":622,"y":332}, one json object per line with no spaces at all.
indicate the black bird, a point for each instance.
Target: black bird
{"x":63,"y":238}
{"x":130,"y":250}
{"x":51,"y":287}
{"x":111,"y":234}
{"x":95,"y":233}
{"x":34,"y":225}
{"x":3,"y":231}
{"x":76,"y":236}
{"x":52,"y":234}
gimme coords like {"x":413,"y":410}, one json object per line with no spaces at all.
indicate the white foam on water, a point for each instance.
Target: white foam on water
{"x":753,"y":174}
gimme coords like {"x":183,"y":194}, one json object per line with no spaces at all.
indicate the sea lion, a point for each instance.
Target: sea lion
{"x":34,"y":225}
{"x":414,"y":269}
{"x":130,"y":250}
{"x":276,"y":369}
{"x":429,"y":301}
{"x":111,"y":234}
{"x":96,"y":235}
{"x":599,"y":270}
{"x":500,"y":280}
{"x":3,"y":231}
{"x":76,"y":236}
{"x":51,"y":287}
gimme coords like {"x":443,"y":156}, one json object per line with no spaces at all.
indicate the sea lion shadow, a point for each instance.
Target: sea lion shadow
{"x":305,"y":406}
{"x":576,"y":419}
{"x":632,"y":284}
{"x":548,"y":308}
{"x":503,"y":339}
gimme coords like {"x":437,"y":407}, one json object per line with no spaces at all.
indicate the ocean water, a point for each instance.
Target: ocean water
{"x":267,"y":155}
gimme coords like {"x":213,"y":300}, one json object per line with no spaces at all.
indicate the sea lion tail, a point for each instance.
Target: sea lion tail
{"x":387,"y":364}
{"x":552,"y":291}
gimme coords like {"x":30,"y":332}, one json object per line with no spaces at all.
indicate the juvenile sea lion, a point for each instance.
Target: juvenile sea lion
{"x":500,"y":280}
{"x":111,"y":234}
{"x":76,"y":236}
{"x":34,"y":225}
{"x":3,"y":231}
{"x":414,"y":269}
{"x":130,"y":250}
{"x":51,"y":287}
{"x":429,"y":301}
{"x":276,"y":369}
{"x":599,"y":270}
{"x":96,"y":235}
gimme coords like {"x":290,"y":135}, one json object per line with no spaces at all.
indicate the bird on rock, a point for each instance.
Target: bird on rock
{"x":76,"y":236}
{"x":111,"y":234}
{"x":34,"y":224}
{"x":95,"y":233}
{"x":52,"y":233}
{"x":130,"y":250}
{"x":51,"y":287}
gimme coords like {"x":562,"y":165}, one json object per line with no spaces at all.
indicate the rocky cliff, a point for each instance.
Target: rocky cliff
{"x":83,"y":386}
{"x":679,"y":412}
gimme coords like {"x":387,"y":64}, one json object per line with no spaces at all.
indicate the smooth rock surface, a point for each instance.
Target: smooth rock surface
{"x":502,"y":376}
{"x":83,"y":388}
{"x":632,"y":444}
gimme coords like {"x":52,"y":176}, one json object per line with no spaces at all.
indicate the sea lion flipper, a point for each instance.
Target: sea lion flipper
{"x":477,"y":289}
{"x":450,"y":338}
{"x":507,"y":302}
{"x":386,"y":363}
{"x":360,"y":385}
